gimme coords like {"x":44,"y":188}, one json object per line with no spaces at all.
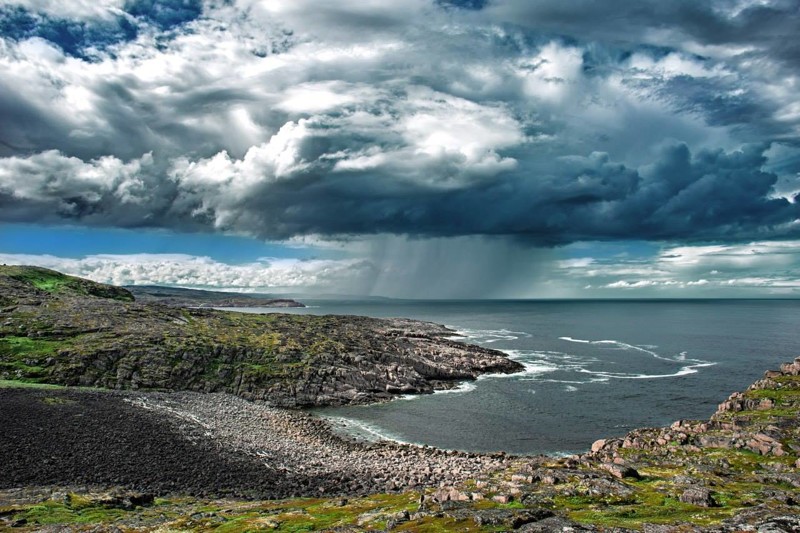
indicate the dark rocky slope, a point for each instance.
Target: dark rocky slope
{"x":63,"y":330}
{"x":180,"y":297}
{"x":69,"y":438}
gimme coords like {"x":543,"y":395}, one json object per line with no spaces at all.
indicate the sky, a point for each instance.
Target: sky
{"x":417,"y":149}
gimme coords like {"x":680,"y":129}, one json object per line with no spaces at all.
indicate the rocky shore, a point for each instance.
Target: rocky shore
{"x":103,"y":451}
{"x":205,"y":444}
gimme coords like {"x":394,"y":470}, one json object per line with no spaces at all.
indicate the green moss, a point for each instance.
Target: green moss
{"x":54,"y":400}
{"x":25,"y":346}
{"x":17,"y":384}
{"x":780,"y":396}
{"x":23,"y":357}
{"x":58,"y":513}
{"x":763,"y":415}
{"x":326,"y":346}
{"x":787,"y":380}
{"x":650,"y":507}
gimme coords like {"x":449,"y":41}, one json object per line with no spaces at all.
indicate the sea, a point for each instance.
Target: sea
{"x":593,"y":369}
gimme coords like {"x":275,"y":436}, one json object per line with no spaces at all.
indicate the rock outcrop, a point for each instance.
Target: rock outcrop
{"x":762,"y":419}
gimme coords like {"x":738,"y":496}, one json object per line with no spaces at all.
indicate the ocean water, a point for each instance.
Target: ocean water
{"x":593,"y":369}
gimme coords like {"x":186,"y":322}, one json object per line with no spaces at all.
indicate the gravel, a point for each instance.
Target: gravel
{"x":205,"y":445}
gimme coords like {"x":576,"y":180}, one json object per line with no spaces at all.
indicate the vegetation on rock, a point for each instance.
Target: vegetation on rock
{"x":77,"y":332}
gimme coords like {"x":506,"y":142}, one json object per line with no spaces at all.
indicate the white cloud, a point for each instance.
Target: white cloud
{"x":52,"y":173}
{"x":699,"y":270}
{"x":71,"y":8}
{"x":203,"y":272}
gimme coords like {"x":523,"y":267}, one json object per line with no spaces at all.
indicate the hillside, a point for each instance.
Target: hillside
{"x":28,"y":282}
{"x":64,"y":330}
{"x":180,"y":297}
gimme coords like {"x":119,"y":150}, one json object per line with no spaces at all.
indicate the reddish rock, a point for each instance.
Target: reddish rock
{"x":450,"y":494}
{"x":620,"y":471}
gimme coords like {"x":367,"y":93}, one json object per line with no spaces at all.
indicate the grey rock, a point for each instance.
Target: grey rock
{"x":698,"y":496}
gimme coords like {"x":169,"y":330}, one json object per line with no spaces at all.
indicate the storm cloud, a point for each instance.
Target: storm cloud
{"x":542,"y":123}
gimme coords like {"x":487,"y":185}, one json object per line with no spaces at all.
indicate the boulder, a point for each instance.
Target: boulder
{"x":510,"y":518}
{"x":450,"y":494}
{"x":620,"y":471}
{"x":698,"y":496}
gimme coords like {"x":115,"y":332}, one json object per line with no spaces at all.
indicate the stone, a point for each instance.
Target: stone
{"x":620,"y":471}
{"x":698,"y":496}
{"x":450,"y":494}
{"x":552,"y":524}
{"x":780,"y":524}
{"x":509,"y":518}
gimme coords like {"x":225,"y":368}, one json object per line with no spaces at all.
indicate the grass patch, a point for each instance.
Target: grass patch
{"x":24,"y":346}
{"x":777,"y":395}
{"x":59,"y":513}
{"x":25,"y":358}
{"x":17,"y":384}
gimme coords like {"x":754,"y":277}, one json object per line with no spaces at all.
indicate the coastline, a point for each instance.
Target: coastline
{"x":134,"y":457}
{"x":249,"y":451}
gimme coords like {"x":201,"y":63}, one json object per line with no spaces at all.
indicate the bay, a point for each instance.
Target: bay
{"x":594,"y":369}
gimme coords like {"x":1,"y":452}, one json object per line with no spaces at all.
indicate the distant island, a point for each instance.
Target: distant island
{"x":181,"y":297}
{"x":122,"y":413}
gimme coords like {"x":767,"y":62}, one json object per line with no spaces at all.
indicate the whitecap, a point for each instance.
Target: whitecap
{"x":488,"y":336}
{"x":570,"y":339}
{"x":683,"y":371}
{"x":464,"y":386}
{"x":361,"y":430}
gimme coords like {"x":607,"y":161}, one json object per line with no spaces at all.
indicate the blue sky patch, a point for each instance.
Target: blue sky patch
{"x":77,"y":242}
{"x":84,"y":38}
{"x":165,"y":14}
{"x":77,"y":38}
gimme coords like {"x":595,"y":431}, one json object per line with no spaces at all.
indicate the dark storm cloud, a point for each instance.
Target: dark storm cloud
{"x":711,"y":195}
{"x":464,"y":4}
{"x":552,"y":122}
{"x":772,"y":24}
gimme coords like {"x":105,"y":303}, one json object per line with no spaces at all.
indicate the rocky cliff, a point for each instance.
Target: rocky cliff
{"x":64,"y":330}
